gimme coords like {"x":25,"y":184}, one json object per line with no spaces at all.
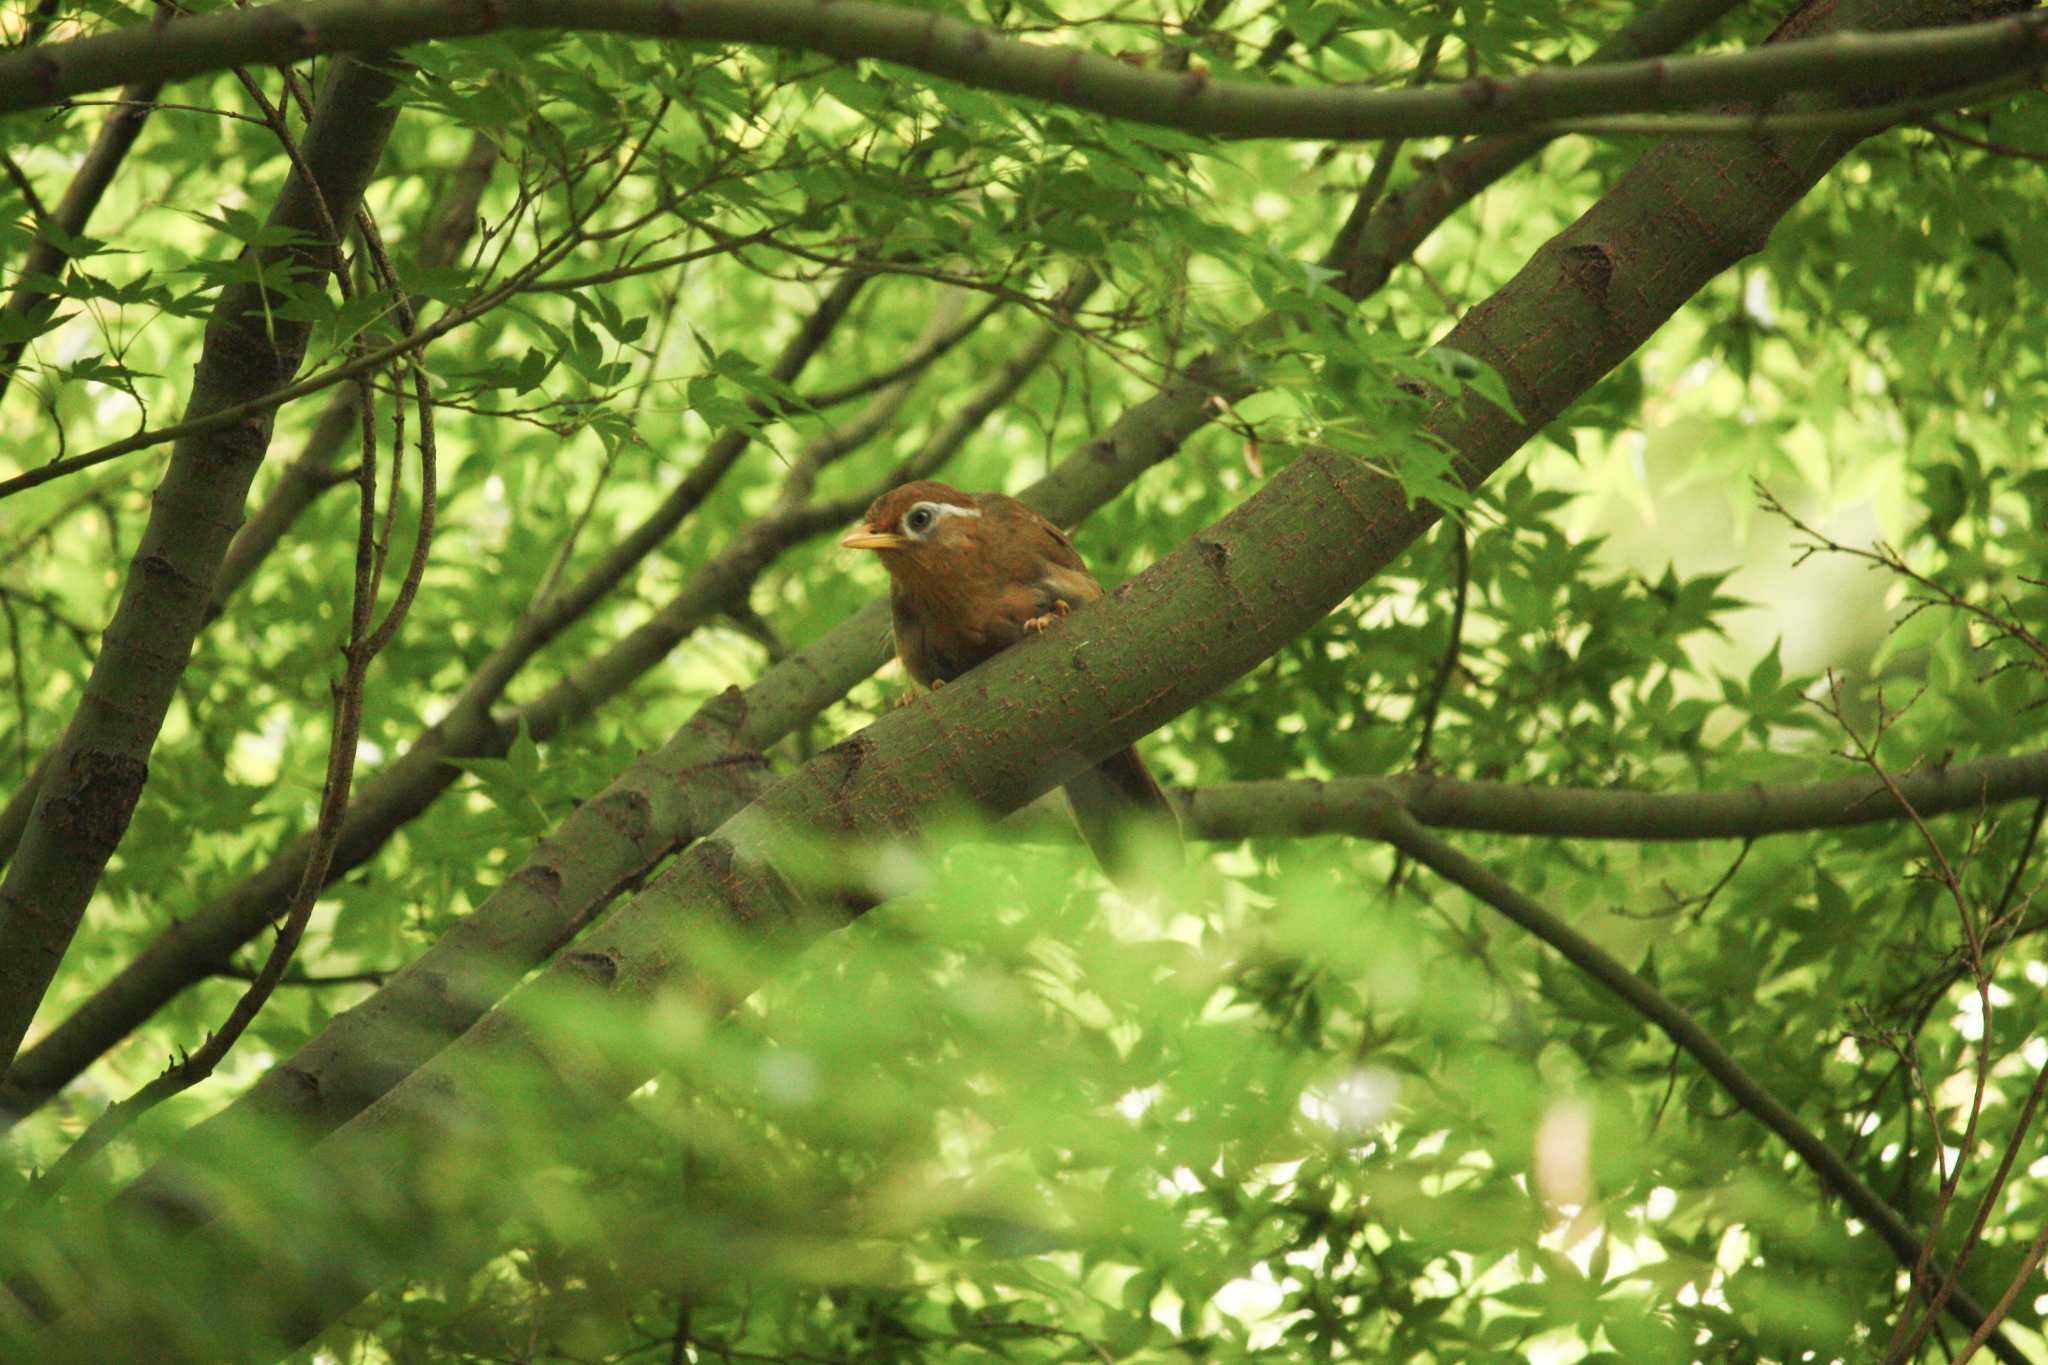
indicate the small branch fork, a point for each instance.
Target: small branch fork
{"x":2004,"y":624}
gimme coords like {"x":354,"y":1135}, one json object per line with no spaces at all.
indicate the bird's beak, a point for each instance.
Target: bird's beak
{"x":868,"y":539}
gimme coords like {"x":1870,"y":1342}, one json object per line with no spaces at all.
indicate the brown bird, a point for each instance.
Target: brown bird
{"x":970,"y":574}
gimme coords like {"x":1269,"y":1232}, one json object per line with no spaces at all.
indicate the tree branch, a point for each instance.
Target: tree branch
{"x":919,"y":360}
{"x":922,"y":40}
{"x":1293,"y":808}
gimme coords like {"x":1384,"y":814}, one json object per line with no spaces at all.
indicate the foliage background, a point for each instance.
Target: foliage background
{"x":1305,"y":1101}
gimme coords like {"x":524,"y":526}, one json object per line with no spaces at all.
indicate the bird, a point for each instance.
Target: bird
{"x":971,"y":574}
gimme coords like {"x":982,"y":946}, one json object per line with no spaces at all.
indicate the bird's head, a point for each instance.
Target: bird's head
{"x":918,"y":524}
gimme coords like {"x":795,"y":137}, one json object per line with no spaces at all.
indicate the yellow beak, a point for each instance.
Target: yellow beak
{"x":865,"y":539}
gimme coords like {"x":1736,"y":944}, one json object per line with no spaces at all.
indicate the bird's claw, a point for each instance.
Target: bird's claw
{"x":909,"y":697}
{"x":1045,"y":622}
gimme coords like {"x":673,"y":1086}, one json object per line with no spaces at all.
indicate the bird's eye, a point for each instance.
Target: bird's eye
{"x":920,"y":520}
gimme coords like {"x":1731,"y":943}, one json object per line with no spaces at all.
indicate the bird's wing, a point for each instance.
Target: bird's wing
{"x":1063,"y":574}
{"x":1073,"y":585}
{"x":1056,"y":547}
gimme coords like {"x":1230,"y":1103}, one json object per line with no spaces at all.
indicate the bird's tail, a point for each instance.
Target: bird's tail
{"x":1115,"y":801}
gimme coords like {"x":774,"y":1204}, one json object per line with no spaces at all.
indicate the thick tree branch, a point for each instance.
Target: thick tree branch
{"x":97,"y":769}
{"x":926,"y":41}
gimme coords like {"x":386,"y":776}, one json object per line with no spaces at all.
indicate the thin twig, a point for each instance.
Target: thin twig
{"x":27,"y":189}
{"x":1985,"y":1205}
{"x":1432,"y":702}
{"x":1942,"y":130}
{"x":1400,"y":829}
{"x":2006,"y":626}
{"x":1985,"y":1333}
{"x":1944,"y":872}
{"x":551,"y":254}
{"x":1389,"y":152}
{"x":368,"y":978}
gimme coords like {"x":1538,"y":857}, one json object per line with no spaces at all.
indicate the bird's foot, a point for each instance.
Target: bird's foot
{"x":909,"y":697}
{"x":1045,"y":622}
